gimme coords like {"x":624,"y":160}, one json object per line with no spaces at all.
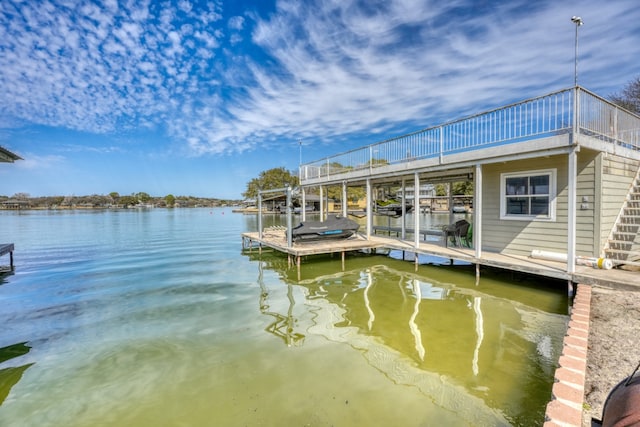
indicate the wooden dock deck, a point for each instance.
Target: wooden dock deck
{"x":277,"y":240}
{"x":7,"y":248}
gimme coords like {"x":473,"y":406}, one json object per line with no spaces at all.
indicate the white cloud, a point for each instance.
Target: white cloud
{"x":323,"y":69}
{"x":350,"y":70}
{"x":236,"y":23}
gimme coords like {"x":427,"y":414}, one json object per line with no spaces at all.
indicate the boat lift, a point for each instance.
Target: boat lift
{"x":287,"y":190}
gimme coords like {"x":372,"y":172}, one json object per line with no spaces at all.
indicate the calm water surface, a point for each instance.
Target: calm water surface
{"x":156,"y":317}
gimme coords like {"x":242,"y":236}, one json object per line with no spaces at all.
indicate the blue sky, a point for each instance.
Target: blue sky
{"x":197,"y":97}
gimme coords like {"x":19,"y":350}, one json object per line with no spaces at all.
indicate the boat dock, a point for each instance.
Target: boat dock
{"x":554,"y":177}
{"x":276,"y":238}
{"x":7,"y":248}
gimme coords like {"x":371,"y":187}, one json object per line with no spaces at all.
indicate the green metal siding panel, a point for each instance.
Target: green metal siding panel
{"x":520,"y":237}
{"x":617,"y":176}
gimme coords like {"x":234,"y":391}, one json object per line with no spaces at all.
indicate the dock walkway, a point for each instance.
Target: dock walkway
{"x":7,"y":248}
{"x":277,"y":240}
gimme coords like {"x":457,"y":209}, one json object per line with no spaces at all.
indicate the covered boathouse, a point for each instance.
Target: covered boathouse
{"x":557,"y":173}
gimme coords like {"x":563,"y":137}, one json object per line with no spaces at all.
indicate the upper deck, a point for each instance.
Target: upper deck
{"x":545,"y":125}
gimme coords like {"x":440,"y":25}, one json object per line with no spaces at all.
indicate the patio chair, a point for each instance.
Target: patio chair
{"x":463,"y":234}
{"x":467,"y":237}
{"x":457,"y":232}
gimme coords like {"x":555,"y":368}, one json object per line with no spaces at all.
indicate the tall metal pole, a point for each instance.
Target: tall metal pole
{"x":300,"y":162}
{"x":578,"y":21}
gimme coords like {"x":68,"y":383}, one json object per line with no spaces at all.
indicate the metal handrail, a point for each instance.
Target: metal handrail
{"x":547,"y":115}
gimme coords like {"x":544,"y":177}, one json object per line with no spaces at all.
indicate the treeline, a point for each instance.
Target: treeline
{"x":112,"y":200}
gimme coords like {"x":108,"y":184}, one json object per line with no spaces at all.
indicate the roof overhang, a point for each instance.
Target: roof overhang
{"x":7,"y":156}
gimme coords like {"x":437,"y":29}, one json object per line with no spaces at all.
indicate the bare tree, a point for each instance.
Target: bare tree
{"x":629,"y":97}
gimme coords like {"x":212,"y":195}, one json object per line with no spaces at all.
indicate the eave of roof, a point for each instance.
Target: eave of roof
{"x":7,"y":156}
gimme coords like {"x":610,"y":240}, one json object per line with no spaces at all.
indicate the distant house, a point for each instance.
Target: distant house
{"x":559,"y":173}
{"x":15,"y":204}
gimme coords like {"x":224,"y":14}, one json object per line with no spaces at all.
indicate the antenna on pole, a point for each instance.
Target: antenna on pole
{"x":578,"y":21}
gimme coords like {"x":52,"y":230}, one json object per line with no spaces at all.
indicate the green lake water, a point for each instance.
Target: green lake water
{"x":158,"y":318}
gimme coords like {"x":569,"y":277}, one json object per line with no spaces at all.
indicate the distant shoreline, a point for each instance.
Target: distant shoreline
{"x":86,"y":208}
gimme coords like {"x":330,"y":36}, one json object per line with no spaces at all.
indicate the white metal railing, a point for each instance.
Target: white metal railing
{"x":539,"y":117}
{"x":601,"y":119}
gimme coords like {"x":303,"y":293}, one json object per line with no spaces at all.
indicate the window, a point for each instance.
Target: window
{"x":528,"y":195}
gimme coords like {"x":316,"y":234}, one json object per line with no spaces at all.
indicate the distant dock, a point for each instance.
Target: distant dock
{"x":7,"y":248}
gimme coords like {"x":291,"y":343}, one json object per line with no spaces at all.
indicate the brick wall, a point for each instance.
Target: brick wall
{"x":565,"y":408}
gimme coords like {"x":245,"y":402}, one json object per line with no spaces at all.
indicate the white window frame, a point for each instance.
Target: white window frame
{"x":552,"y":173}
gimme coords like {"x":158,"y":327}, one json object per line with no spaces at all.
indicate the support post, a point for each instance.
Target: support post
{"x":344,"y":199}
{"x":570,"y":290}
{"x":416,"y":208}
{"x":369,"y":209}
{"x":404,"y":208}
{"x":304,"y":205}
{"x":572,"y":188}
{"x":572,"y":184}
{"x":289,"y":226}
{"x":321,"y":203}
{"x":260,"y":215}
{"x":477,"y":211}
{"x":450,"y":201}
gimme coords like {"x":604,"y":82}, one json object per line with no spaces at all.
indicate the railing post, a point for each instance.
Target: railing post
{"x":615,"y":124}
{"x":440,"y":129}
{"x":575,"y":116}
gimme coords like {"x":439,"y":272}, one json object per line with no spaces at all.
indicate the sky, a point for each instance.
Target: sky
{"x":198,"y":97}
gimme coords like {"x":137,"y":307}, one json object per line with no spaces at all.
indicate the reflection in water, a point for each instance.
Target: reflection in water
{"x":415,"y":330}
{"x":10,"y":376}
{"x":367,"y":304}
{"x":482,"y":356}
{"x":282,"y":327}
{"x":479,"y":333}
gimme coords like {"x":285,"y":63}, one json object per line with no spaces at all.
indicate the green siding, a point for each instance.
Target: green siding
{"x":521,"y":237}
{"x":617,"y":176}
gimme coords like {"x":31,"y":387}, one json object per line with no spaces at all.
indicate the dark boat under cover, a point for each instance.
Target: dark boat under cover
{"x":334,"y":227}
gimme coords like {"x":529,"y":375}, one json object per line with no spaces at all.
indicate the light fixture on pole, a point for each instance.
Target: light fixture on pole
{"x":578,"y":21}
